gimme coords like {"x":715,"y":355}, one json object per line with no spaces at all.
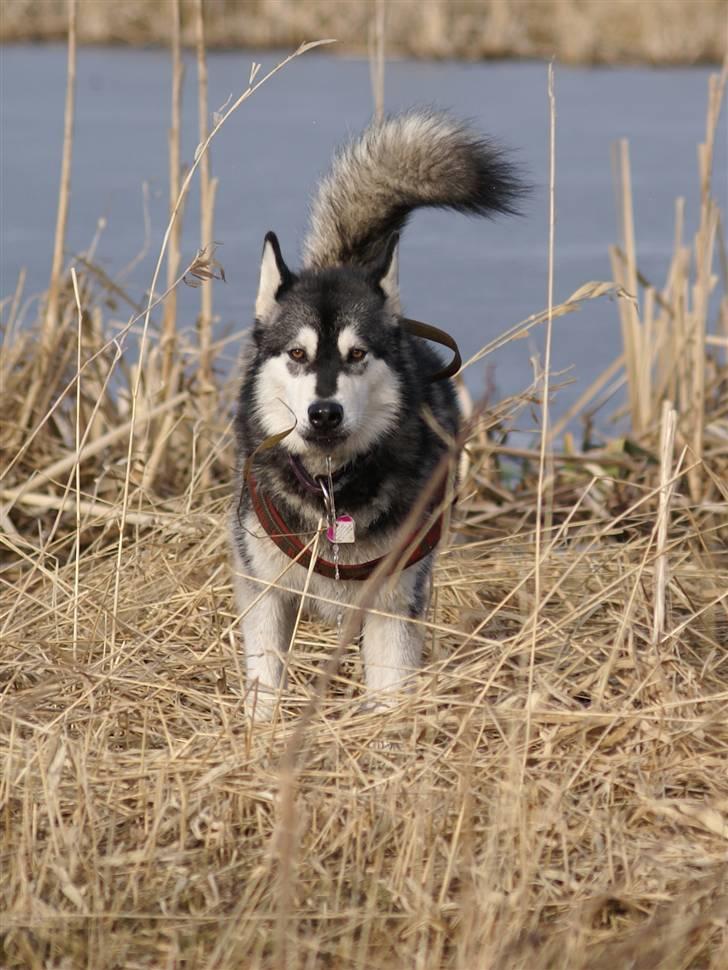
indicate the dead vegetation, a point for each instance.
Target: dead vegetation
{"x":553,"y":795}
{"x":574,"y":31}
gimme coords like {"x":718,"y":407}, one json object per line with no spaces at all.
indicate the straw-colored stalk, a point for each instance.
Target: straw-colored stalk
{"x":99,"y":512}
{"x":208,"y":188}
{"x":625,"y":273}
{"x":544,"y":491}
{"x":667,"y":444}
{"x":64,"y":191}
{"x":377,"y":36}
{"x":169,"y":320}
{"x":207,"y":208}
{"x":8,"y":334}
{"x":38,"y":387}
{"x":77,"y":429}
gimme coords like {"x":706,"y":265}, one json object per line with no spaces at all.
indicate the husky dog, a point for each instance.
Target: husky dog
{"x":330,"y":363}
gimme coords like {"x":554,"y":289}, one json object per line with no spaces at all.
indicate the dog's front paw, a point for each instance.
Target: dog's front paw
{"x":261,"y":703}
{"x":385,"y":745}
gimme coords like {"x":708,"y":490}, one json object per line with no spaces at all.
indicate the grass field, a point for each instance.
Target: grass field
{"x":553,"y":795}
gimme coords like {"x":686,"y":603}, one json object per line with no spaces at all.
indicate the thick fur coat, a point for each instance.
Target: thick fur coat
{"x":328,"y":360}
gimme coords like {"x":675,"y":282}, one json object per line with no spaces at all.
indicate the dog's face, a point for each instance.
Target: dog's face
{"x":326,"y":342}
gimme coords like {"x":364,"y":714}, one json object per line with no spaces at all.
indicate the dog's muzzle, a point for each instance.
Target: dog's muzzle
{"x":325,"y":418}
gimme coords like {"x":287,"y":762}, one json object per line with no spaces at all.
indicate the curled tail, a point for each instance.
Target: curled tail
{"x":406,"y":162}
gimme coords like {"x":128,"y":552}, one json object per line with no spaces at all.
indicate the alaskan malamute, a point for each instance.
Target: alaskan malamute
{"x":331,"y":363}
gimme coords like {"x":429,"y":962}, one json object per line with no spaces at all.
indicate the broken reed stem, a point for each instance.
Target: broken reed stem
{"x":545,"y":414}
{"x":207,"y":218}
{"x":206,"y":207}
{"x":285,"y":841}
{"x":162,"y":433}
{"x":97,"y":510}
{"x":8,"y":336}
{"x":716,"y":90}
{"x":667,"y":443}
{"x":589,"y":291}
{"x":169,"y":321}
{"x":625,"y":273}
{"x":579,"y":405}
{"x":669,"y":354}
{"x":376,"y":57}
{"x":77,"y":563}
{"x":64,"y":192}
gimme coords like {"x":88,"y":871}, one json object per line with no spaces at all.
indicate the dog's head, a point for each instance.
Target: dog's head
{"x":328,"y":347}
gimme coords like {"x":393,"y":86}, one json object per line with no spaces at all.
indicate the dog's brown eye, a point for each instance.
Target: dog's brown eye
{"x":357,"y":354}
{"x":298,"y":354}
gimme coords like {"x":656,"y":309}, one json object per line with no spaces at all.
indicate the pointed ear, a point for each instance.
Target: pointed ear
{"x":274,"y":277}
{"x":386,"y":275}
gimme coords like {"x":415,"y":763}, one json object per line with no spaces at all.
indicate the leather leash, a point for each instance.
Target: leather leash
{"x":437,"y":336}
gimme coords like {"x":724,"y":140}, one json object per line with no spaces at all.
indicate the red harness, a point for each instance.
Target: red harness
{"x":279,"y":531}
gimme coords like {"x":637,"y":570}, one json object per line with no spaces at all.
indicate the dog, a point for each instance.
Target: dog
{"x":338,"y":424}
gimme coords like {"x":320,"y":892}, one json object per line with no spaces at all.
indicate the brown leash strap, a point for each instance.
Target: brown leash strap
{"x":428,"y":332}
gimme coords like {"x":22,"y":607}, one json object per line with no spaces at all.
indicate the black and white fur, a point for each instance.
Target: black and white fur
{"x":328,"y":355}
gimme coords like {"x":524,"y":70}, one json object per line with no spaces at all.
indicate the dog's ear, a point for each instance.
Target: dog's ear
{"x":386,"y":274}
{"x":275,"y":276}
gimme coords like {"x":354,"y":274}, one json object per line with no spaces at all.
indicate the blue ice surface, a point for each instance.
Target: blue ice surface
{"x":472,"y":277}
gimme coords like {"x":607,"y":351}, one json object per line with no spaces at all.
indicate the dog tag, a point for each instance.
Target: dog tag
{"x":342,"y":530}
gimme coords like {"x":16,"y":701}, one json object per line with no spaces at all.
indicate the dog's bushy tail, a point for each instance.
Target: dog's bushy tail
{"x":416,"y":159}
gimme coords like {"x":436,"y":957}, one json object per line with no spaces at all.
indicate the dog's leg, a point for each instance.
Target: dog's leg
{"x":392,"y":646}
{"x":266,"y":625}
{"x":392,"y":652}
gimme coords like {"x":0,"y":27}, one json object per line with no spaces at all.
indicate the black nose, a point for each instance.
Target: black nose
{"x":325,"y":415}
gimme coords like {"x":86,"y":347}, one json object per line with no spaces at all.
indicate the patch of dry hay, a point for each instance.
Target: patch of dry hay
{"x":140,"y":810}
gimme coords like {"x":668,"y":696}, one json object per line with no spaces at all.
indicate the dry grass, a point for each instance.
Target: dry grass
{"x":553,"y":795}
{"x":577,"y":31}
